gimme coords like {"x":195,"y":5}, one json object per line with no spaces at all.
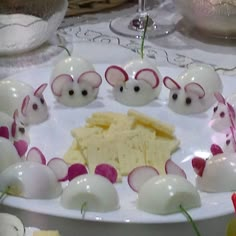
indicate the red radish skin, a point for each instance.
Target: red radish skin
{"x":107,"y":171}
{"x":139,"y":175}
{"x":198,"y":165}
{"x":172,"y":168}
{"x":75,"y":170}
{"x":21,"y":147}
{"x":216,"y":149}
{"x":34,"y":154}
{"x":4,"y":132}
{"x":233,"y":198}
{"x":59,"y":167}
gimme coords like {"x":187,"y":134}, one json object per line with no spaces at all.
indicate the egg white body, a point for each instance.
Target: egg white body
{"x":12,"y":94}
{"x":95,"y":191}
{"x":8,"y":154}
{"x":203,"y":75}
{"x":219,"y":174}
{"x":146,"y":93}
{"x":74,"y":67}
{"x":30,"y":180}
{"x":163,"y":194}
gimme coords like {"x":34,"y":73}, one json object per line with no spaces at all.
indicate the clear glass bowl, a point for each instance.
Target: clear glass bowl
{"x":27,"y":24}
{"x":215,"y":17}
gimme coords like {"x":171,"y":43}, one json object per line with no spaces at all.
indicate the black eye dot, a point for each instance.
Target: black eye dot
{"x":84,"y":92}
{"x":215,"y":109}
{"x":42,"y":100}
{"x":121,"y":88}
{"x":21,"y":130}
{"x":71,"y":92}
{"x":222,"y":114}
{"x":35,"y":106}
{"x":136,"y":89}
{"x":227,"y":142}
{"x":188,"y":101}
{"x":174,"y":96}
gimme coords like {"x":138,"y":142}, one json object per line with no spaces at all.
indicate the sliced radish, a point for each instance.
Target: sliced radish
{"x":172,"y":168}
{"x":233,"y":198}
{"x":21,"y":147}
{"x":59,"y":167}
{"x":198,"y":165}
{"x":4,"y":132}
{"x":34,"y":154}
{"x":216,"y":149}
{"x":139,"y":175}
{"x":107,"y":171}
{"x":75,"y":170}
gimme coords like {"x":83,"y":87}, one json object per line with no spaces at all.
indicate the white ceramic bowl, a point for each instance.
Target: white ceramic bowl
{"x":27,"y":24}
{"x":216,"y":17}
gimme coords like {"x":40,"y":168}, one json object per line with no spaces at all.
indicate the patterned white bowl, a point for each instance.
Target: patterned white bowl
{"x":27,"y":24}
{"x":216,"y":17}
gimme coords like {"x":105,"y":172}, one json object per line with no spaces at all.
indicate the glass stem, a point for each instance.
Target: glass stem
{"x":142,"y":7}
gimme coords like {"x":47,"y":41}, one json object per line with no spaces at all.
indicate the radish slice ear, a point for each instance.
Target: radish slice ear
{"x":170,"y":83}
{"x":58,"y":83}
{"x":59,"y":167}
{"x":4,"y":132}
{"x":107,"y":171}
{"x":198,"y":165}
{"x":39,"y":91}
{"x":116,"y":75}
{"x":75,"y":170}
{"x":172,"y":168}
{"x":233,"y":198}
{"x":21,"y":147}
{"x":34,"y":154}
{"x":195,"y":88}
{"x":219,"y":97}
{"x":139,"y":175}
{"x":24,"y":105}
{"x":92,"y":77}
{"x":148,"y":75}
{"x":216,"y":149}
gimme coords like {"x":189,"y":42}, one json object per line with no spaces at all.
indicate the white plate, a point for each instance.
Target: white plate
{"x":53,"y":138}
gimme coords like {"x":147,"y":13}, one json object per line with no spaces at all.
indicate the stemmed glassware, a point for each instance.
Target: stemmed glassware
{"x":133,"y":26}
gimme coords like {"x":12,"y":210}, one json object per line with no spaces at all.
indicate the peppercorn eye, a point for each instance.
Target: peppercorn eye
{"x":121,"y":89}
{"x":84,"y":92}
{"x":188,"y":101}
{"x":136,"y":89}
{"x":215,"y":109}
{"x":71,"y":92}
{"x":175,"y":96}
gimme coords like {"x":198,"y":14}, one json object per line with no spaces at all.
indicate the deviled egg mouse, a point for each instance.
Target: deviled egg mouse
{"x":136,"y":83}
{"x":15,"y":129}
{"x":28,"y":101}
{"x":74,"y":82}
{"x":217,"y":174}
{"x":97,"y":192}
{"x":193,"y":90}
{"x":163,"y":194}
{"x":30,"y":180}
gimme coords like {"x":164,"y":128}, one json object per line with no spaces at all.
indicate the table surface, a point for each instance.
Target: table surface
{"x":83,"y":34}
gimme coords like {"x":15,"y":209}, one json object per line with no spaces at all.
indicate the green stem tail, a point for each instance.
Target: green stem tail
{"x":143,"y":37}
{"x":190,"y":220}
{"x":68,"y":52}
{"x":83,"y":209}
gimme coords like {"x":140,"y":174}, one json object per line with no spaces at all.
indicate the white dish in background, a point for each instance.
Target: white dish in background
{"x":53,"y":138}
